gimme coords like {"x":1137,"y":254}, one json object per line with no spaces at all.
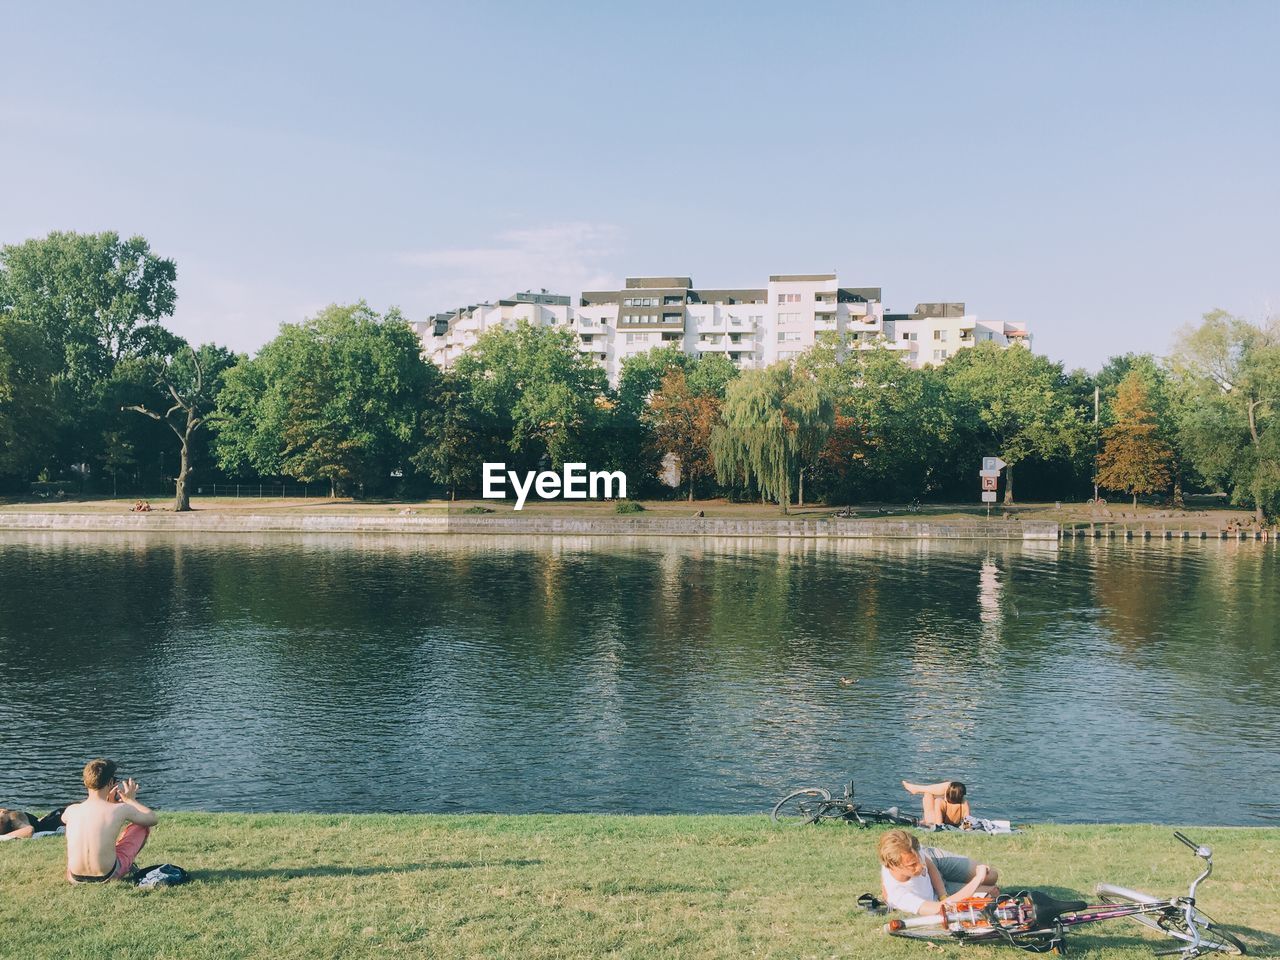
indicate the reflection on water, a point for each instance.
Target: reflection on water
{"x":1090,"y":681}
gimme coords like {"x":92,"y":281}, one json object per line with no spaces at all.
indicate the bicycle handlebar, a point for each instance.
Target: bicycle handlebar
{"x":1199,"y":849}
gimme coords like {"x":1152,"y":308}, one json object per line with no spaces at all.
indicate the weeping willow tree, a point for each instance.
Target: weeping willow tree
{"x":773,"y":425}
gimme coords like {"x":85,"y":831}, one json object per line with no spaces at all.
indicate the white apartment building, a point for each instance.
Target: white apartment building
{"x":753,"y":327}
{"x":446,"y":336}
{"x":936,"y":331}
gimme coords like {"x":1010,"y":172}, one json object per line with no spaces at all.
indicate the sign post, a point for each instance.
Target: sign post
{"x":990,"y":477}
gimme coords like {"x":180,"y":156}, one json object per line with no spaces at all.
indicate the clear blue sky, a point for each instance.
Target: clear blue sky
{"x":1104,"y":171}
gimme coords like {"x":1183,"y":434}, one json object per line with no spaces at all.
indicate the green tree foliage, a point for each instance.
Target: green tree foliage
{"x":1133,"y":458}
{"x":683,"y":420}
{"x":184,"y":384}
{"x":774,"y":424}
{"x":27,"y":406}
{"x":1230,"y":425}
{"x":542,"y":395}
{"x":630,"y":441}
{"x":457,"y":438}
{"x":95,"y":297}
{"x":1021,"y":401}
{"x":97,"y":300}
{"x":335,"y":398}
{"x":891,"y":430}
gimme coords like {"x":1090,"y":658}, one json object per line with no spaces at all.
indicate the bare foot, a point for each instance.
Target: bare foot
{"x":911,"y":787}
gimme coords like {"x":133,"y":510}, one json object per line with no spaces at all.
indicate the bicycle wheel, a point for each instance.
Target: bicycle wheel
{"x":800,"y":807}
{"x":1173,"y":921}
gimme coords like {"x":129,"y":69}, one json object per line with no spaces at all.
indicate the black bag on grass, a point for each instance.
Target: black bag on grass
{"x":161,"y":875}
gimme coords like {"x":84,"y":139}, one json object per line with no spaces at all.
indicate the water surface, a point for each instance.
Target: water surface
{"x":1087,"y":681}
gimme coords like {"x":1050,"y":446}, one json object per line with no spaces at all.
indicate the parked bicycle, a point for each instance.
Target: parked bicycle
{"x":1038,"y":923}
{"x":814,"y":805}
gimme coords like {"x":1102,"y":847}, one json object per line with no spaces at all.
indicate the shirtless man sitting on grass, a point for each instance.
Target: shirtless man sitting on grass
{"x":97,"y":848}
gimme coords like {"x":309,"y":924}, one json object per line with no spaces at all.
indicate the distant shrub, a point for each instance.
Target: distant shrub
{"x":628,"y":506}
{"x":477,"y":510}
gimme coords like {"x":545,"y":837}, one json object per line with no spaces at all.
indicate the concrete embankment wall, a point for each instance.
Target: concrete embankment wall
{"x":540,"y":525}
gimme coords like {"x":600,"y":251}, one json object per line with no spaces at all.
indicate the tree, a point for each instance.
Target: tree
{"x":545,"y":397}
{"x":1133,"y":458}
{"x":96,"y":300}
{"x":683,"y":421}
{"x":774,"y":422}
{"x":1230,"y":370}
{"x":93,"y":296}
{"x":1021,"y":402}
{"x":890,"y":433}
{"x":457,"y":438}
{"x":187,"y":382}
{"x":336,"y":398}
{"x":27,"y":403}
{"x":1164,"y":397}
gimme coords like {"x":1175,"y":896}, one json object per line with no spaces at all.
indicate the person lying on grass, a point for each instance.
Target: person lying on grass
{"x":18,"y":825}
{"x":97,"y":848}
{"x":926,"y":880}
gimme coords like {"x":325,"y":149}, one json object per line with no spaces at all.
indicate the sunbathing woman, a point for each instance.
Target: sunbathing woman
{"x":944,"y":803}
{"x":18,"y":825}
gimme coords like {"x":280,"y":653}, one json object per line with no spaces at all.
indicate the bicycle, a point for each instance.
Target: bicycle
{"x":814,"y":805}
{"x":1038,"y":923}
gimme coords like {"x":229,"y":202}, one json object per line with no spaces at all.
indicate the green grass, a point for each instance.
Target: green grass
{"x":284,"y":886}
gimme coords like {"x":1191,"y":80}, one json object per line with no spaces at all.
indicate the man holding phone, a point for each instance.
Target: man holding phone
{"x":98,"y":849}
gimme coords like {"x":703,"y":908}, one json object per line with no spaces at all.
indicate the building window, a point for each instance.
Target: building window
{"x":785,"y":318}
{"x":786,"y":335}
{"x":669,"y":301}
{"x":637,"y":338}
{"x":788,"y":298}
{"x":910,"y":336}
{"x":787,"y":354}
{"x":940,"y":335}
{"x":939,"y":354}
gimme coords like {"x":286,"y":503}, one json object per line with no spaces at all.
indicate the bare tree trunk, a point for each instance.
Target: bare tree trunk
{"x":691,"y":489}
{"x":801,"y":498}
{"x":181,"y":494}
{"x":1008,"y":483}
{"x":1135,"y":499}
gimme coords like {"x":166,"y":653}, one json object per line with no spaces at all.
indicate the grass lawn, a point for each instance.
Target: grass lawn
{"x":577,"y":886}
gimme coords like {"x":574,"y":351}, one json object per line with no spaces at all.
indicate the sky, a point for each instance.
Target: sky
{"x":1105,"y":172}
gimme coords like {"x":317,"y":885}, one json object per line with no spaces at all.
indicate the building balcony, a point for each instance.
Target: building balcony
{"x":825,"y":306}
{"x":653,"y":323}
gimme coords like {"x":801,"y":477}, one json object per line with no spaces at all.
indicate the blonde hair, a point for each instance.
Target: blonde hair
{"x":98,"y":773}
{"x":894,"y":845}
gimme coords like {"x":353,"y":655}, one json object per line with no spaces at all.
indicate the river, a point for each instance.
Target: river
{"x":1091,"y":681}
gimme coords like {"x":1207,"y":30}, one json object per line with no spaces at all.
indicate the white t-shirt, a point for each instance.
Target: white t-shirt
{"x":908,"y":895}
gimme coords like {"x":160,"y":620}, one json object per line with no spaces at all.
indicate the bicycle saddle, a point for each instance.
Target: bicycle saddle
{"x":1049,"y":909}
